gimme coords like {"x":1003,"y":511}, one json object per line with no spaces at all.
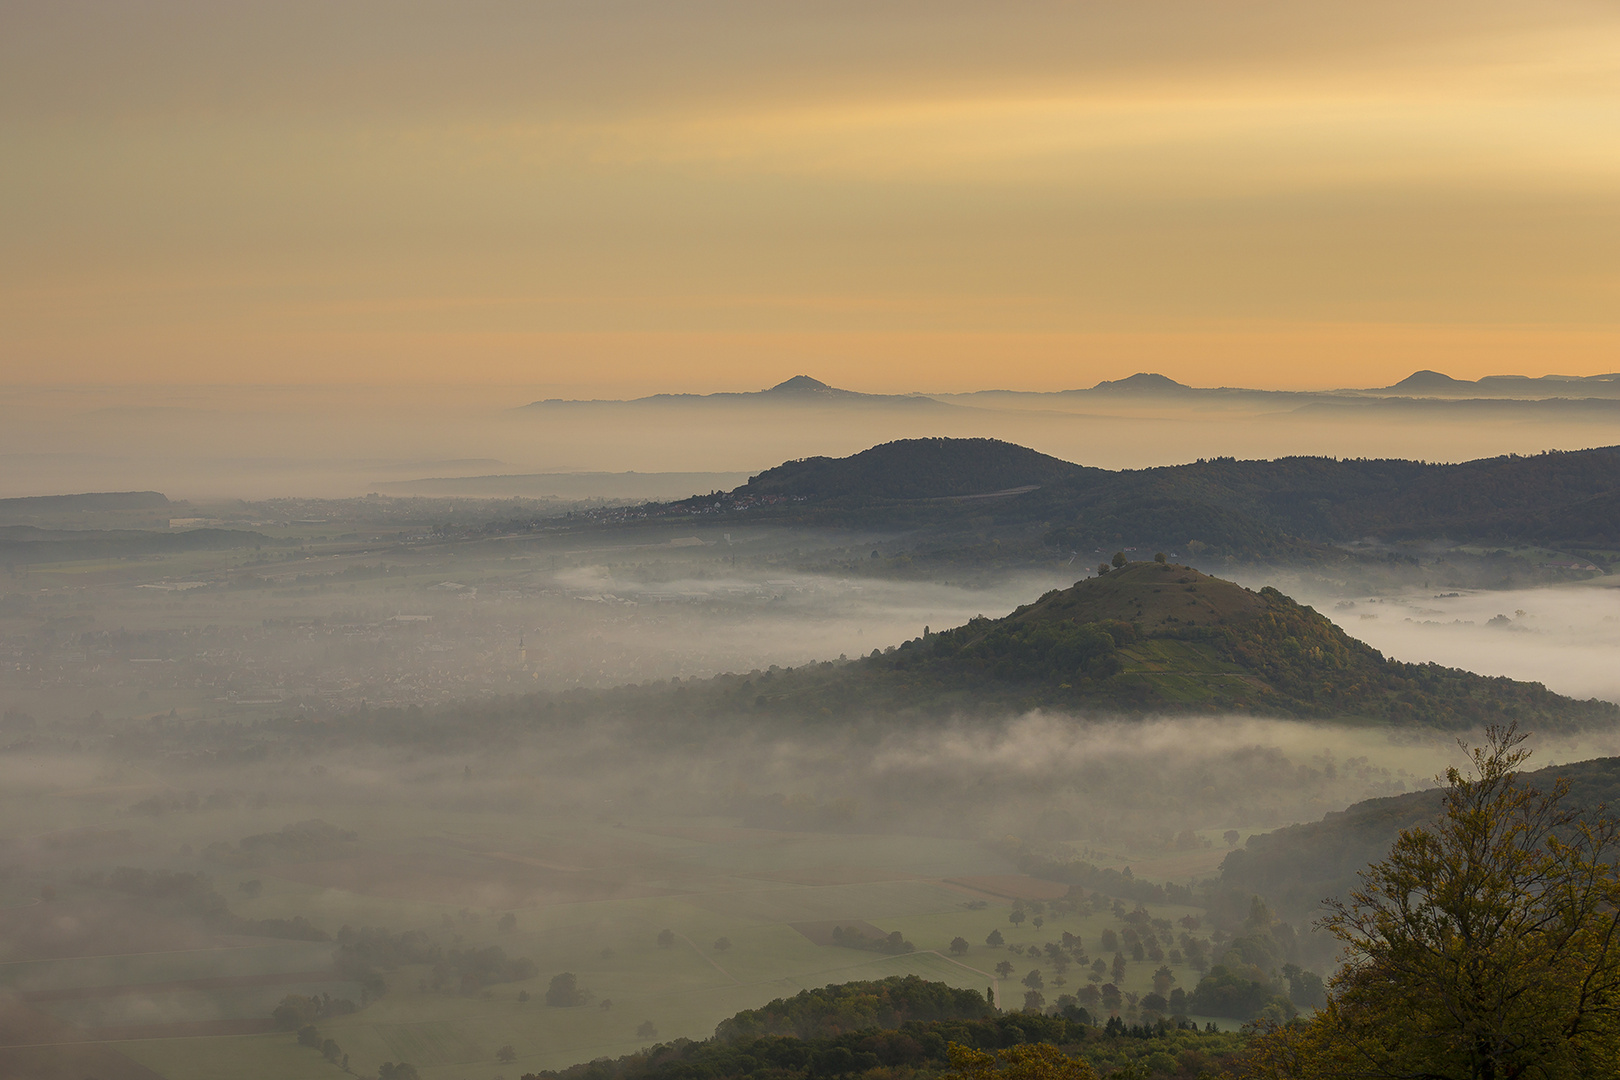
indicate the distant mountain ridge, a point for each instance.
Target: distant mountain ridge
{"x":797,"y":391}
{"x":804,"y":390}
{"x":1277,"y":508}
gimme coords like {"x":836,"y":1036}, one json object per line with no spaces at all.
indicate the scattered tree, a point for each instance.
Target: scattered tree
{"x":646,"y":1030}
{"x":1004,"y":969}
{"x":1034,"y":1001}
{"x":506,"y":1054}
{"x":994,"y":939}
{"x":1231,"y":837}
{"x":1015,"y":916}
{"x":1120,"y":559}
{"x":564,"y":991}
{"x":721,"y":944}
{"x":666,"y":939}
{"x":1033,"y":980}
{"x":959,"y":945}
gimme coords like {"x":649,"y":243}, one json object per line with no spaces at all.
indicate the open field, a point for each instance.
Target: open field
{"x":192,"y":1011}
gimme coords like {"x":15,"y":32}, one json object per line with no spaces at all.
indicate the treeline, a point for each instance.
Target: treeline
{"x":178,"y":893}
{"x":856,"y":1006}
{"x":363,"y":955}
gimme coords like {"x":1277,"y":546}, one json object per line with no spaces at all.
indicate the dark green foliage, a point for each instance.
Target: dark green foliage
{"x":917,"y":1049}
{"x":1226,"y":992}
{"x":831,"y":1010}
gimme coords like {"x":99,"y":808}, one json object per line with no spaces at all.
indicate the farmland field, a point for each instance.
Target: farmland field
{"x":588,"y":898}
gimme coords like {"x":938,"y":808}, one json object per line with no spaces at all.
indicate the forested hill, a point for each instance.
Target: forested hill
{"x":913,"y":469}
{"x":1220,"y":506}
{"x":1296,"y":867}
{"x":1146,"y":638}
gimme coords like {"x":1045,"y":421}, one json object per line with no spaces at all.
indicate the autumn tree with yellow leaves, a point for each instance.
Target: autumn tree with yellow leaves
{"x":1486,"y":946}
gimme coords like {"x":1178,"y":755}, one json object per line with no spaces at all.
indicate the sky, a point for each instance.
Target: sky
{"x":620,"y":197}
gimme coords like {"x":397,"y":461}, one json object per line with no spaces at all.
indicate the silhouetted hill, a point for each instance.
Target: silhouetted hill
{"x":1506,"y":386}
{"x":96,"y":500}
{"x":1286,"y":508}
{"x":1427,"y":382}
{"x":912,"y":469}
{"x":1143,"y":382}
{"x":1297,"y":867}
{"x":800,"y":390}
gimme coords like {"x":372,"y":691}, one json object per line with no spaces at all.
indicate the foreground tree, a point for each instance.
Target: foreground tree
{"x":1485,"y":947}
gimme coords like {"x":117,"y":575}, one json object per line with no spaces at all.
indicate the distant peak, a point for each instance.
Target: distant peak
{"x":1428,"y":380}
{"x":1149,"y":381}
{"x":799,"y":384}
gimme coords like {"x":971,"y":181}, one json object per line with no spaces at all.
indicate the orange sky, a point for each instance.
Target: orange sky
{"x":626,"y":197}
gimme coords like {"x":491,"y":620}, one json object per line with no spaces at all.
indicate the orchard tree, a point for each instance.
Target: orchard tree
{"x":994,"y":939}
{"x":959,"y":945}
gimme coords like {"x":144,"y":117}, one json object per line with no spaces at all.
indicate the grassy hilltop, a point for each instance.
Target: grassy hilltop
{"x":1147,"y":638}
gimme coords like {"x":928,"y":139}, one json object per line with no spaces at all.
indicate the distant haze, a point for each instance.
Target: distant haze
{"x":617,"y":200}
{"x":256,"y":442}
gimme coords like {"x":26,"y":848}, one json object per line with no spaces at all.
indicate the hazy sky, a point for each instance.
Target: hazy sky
{"x":619,"y":197}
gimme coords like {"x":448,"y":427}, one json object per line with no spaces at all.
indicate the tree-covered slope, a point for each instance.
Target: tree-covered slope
{"x":1296,"y":867}
{"x":1160,"y":638}
{"x":1266,"y":509}
{"x":908,"y":1039}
